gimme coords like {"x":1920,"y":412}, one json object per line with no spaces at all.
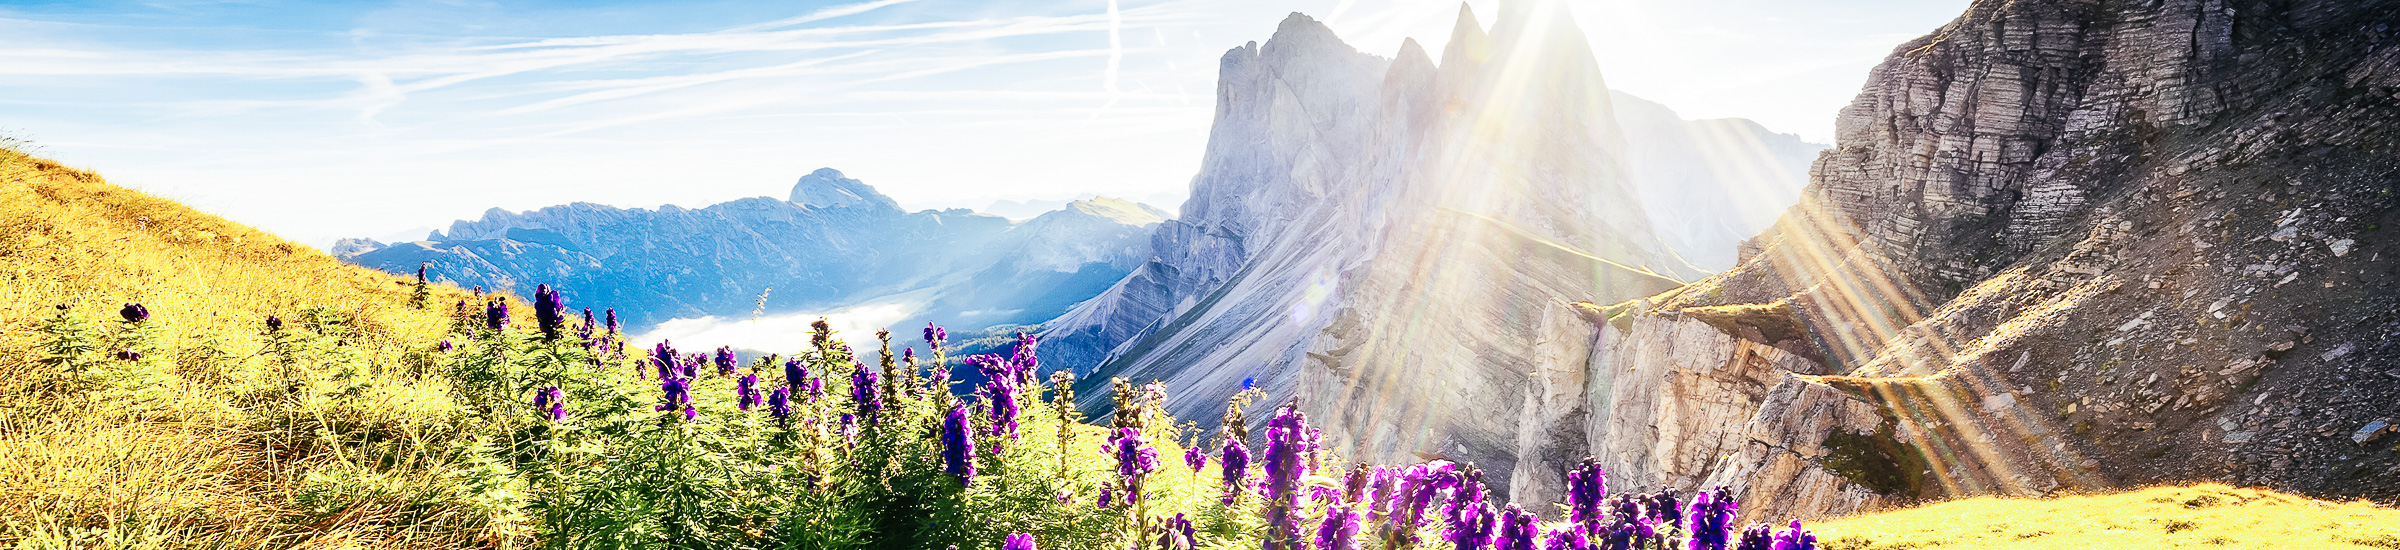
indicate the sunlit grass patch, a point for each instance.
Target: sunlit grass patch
{"x":2206,"y":515}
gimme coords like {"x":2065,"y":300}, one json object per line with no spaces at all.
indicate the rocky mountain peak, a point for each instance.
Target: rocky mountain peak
{"x":1469,"y":45}
{"x":827,"y":188}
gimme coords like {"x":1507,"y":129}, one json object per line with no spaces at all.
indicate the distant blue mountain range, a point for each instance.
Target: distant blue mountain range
{"x":834,"y":242}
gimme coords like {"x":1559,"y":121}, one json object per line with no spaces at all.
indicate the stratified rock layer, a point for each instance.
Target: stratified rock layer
{"x":2071,"y":245}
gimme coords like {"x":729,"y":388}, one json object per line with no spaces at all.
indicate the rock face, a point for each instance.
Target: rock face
{"x":838,"y":241}
{"x":2059,"y":245}
{"x":1395,"y":244}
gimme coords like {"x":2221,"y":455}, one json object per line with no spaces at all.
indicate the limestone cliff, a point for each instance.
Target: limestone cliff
{"x":2063,"y":245}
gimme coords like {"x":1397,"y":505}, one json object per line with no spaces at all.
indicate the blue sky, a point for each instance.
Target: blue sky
{"x":319,"y":120}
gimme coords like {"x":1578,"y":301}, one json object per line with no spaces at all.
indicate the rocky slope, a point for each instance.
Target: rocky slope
{"x":836,"y":241}
{"x":2059,"y":245}
{"x":1389,"y":242}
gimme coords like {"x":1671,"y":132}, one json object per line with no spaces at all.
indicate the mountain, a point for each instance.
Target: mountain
{"x":2058,"y":246}
{"x":835,"y":242}
{"x":1708,"y":184}
{"x":1390,"y":243}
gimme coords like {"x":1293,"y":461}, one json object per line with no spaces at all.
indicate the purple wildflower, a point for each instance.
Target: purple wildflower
{"x":612,"y":321}
{"x":546,"y":314}
{"x":1234,"y":463}
{"x":678,"y":396}
{"x":1473,"y":528}
{"x":958,"y":445}
{"x":1758,"y":537}
{"x":725,"y":360}
{"x":274,"y":323}
{"x":863,"y":393}
{"x":1518,"y":529}
{"x":1001,"y":393}
{"x":1196,"y":459}
{"x":553,"y":399}
{"x":795,"y":373}
{"x":1249,"y":383}
{"x":935,"y":335}
{"x":746,"y":390}
{"x":1024,"y":358}
{"x":779,"y":405}
{"x":1413,"y":496}
{"x":1711,"y":519}
{"x":1288,"y":443}
{"x":1569,"y":537}
{"x":134,"y":313}
{"x":1018,"y":541}
{"x":1178,"y":534}
{"x":1135,"y":460}
{"x":129,"y":355}
{"x":1587,"y":493}
{"x":1107,"y":494}
{"x":1662,"y":506}
{"x":849,"y":428}
{"x":445,"y":345}
{"x":1339,"y":530}
{"x":495,"y":315}
{"x":1795,"y":538}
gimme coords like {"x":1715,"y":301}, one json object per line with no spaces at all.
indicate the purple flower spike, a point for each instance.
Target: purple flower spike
{"x":747,"y":391}
{"x":1179,"y":533}
{"x":495,"y":315}
{"x":1570,"y":537}
{"x":445,"y":345}
{"x":1135,"y":460}
{"x":1795,"y":538}
{"x":1019,"y":541}
{"x":1195,"y":458}
{"x":1474,"y":527}
{"x":1587,"y":493}
{"x":1518,"y":529}
{"x":134,"y":313}
{"x":1106,"y":496}
{"x":274,"y":324}
{"x":725,"y":360}
{"x":1234,"y":460}
{"x":554,"y":400}
{"x":612,"y":321}
{"x":1339,"y":530}
{"x":678,"y":395}
{"x":547,"y":314}
{"x":934,"y":335}
{"x":863,"y":393}
{"x":1711,"y":520}
{"x":958,"y":445}
{"x":1288,"y":445}
{"x":779,"y":405}
{"x":849,"y":428}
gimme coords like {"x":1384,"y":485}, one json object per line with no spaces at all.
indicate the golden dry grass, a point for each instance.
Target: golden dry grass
{"x":191,"y":458}
{"x":2206,"y":515}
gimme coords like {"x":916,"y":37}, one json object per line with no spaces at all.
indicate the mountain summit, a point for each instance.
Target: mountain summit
{"x":827,"y":188}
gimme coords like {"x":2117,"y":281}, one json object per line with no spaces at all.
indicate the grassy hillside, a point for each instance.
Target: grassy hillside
{"x":2197,"y":516}
{"x":201,"y":441}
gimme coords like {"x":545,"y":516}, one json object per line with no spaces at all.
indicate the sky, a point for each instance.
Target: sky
{"x":322,"y":120}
